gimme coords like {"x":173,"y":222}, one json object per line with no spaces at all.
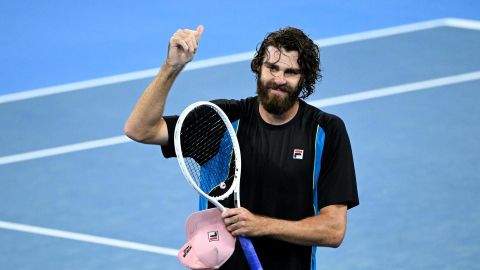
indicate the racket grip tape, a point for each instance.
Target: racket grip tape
{"x":250,"y":253}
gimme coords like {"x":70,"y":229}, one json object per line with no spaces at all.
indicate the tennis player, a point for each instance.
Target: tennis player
{"x":298,"y":178}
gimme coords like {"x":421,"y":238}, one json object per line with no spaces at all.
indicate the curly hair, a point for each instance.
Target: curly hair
{"x":293,"y":39}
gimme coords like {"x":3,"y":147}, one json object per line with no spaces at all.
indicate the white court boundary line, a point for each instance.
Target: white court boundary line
{"x":64,"y":149}
{"x":143,"y":74}
{"x":87,"y":238}
{"x":398,"y":89}
{"x":344,"y":99}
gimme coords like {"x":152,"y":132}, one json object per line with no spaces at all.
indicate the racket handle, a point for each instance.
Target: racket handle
{"x":250,"y":253}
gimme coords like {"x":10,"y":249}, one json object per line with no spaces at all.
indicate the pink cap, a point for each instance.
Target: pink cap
{"x":209,"y":243}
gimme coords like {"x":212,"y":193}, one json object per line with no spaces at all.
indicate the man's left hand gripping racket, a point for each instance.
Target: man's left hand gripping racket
{"x":209,"y":156}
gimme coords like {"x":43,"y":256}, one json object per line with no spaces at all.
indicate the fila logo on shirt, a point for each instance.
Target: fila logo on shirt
{"x":297,"y":153}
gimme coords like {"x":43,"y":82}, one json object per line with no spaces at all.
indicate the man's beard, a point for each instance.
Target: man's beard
{"x":276,"y":104}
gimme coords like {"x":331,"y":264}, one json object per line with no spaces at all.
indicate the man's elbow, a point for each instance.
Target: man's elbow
{"x":337,"y":241}
{"x":154,"y":134}
{"x":336,"y":237}
{"x":134,"y":133}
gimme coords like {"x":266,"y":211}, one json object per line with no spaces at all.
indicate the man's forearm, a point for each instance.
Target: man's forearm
{"x":321,"y":230}
{"x":326,"y":229}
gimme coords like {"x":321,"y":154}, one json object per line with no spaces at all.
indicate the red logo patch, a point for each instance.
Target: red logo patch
{"x":298,"y":154}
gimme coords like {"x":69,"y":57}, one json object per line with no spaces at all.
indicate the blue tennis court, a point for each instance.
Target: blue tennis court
{"x":76,"y":194}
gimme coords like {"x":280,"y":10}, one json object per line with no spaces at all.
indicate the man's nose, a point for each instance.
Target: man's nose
{"x":280,"y":78}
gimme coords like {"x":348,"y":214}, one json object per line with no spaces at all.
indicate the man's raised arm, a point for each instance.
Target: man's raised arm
{"x":146,"y":123}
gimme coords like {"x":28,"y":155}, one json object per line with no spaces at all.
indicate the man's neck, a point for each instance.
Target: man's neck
{"x":279,"y":119}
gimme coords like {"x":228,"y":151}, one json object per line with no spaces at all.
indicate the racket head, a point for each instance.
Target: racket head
{"x":207,"y":151}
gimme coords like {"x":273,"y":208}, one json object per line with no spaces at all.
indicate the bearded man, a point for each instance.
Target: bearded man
{"x":298,"y":178}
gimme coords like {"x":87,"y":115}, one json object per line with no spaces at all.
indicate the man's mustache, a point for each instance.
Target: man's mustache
{"x":273,"y":85}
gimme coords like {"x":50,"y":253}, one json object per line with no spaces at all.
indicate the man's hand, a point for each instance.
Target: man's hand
{"x":183,"y":46}
{"x":241,"y":222}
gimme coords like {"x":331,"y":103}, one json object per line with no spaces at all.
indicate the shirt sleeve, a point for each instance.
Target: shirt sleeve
{"x":337,"y":181}
{"x":168,"y":150}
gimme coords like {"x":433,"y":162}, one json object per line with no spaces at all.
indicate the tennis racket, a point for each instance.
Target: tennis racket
{"x":209,"y":156}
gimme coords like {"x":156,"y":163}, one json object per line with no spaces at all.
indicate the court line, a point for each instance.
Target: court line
{"x":338,"y":100}
{"x":461,"y":23}
{"x":64,"y":149}
{"x":87,"y":84}
{"x":398,"y":89}
{"x":87,"y":238}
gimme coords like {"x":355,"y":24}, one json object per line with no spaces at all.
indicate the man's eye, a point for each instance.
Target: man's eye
{"x":273,"y":68}
{"x":292,"y":72}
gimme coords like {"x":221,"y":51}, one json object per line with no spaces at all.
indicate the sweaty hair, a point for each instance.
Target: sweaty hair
{"x":293,"y":39}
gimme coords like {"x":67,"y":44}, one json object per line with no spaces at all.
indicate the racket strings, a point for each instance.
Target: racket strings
{"x":196,"y":139}
{"x":208,"y":150}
